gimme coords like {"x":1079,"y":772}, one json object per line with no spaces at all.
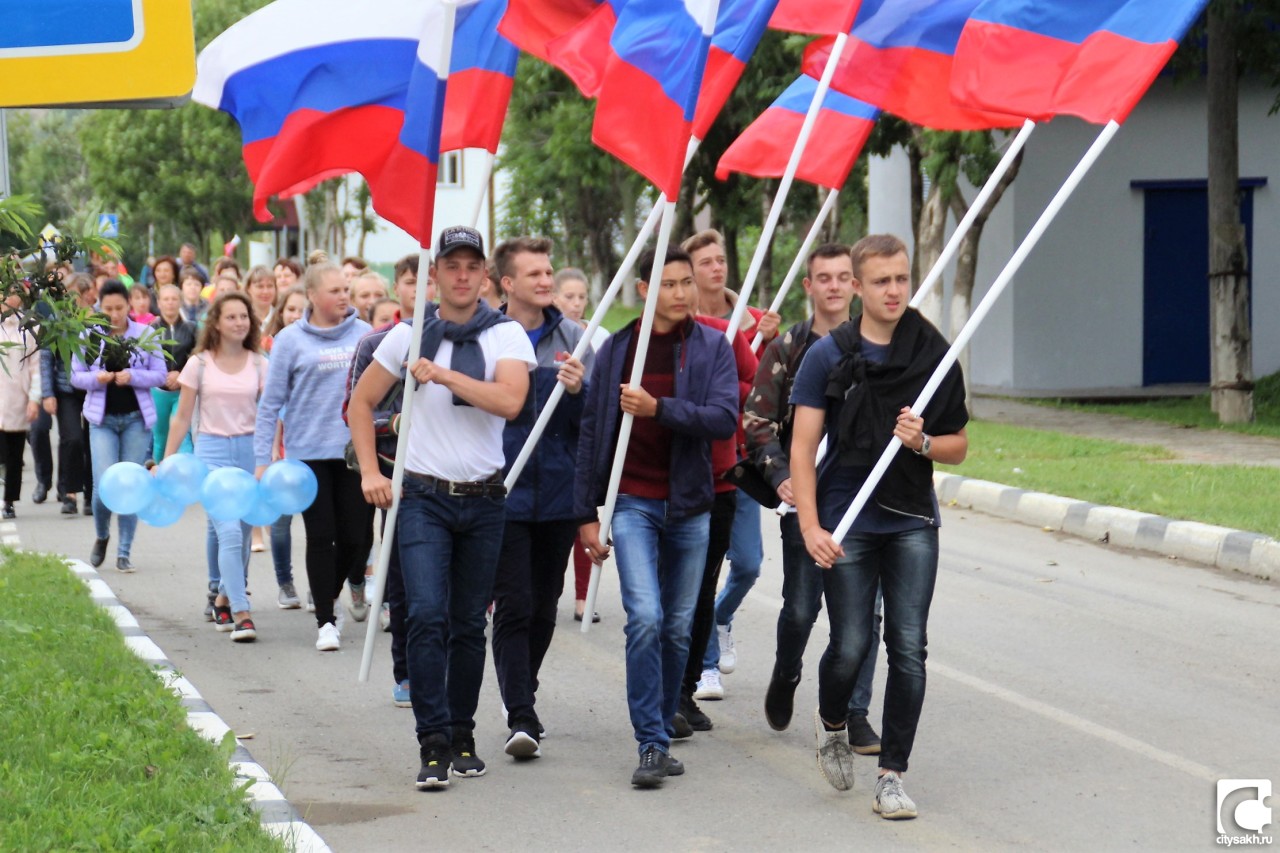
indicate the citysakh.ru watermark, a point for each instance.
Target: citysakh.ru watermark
{"x":1247,"y":816}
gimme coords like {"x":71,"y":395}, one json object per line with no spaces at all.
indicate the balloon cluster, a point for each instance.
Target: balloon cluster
{"x":227,"y":494}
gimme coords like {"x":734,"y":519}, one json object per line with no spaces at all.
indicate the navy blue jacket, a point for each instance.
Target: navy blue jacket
{"x":704,"y":408}
{"x":544,"y":491}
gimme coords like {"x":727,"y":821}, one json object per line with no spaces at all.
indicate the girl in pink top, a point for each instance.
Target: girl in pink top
{"x":225,"y":374}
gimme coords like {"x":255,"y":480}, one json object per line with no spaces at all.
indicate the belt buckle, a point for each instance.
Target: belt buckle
{"x":453,"y":489}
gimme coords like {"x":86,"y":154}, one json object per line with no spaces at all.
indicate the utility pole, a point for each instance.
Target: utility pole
{"x":5,"y":189}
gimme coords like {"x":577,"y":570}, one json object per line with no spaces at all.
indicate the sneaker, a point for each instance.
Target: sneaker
{"x":9,"y":511}
{"x":287,"y":598}
{"x":465,"y":760}
{"x":328,"y":639}
{"x":891,"y":802}
{"x":311,"y":603}
{"x":359,"y":606}
{"x":244,"y":632}
{"x":208,"y":608}
{"x":339,"y":616}
{"x":709,"y":686}
{"x":222,"y":621}
{"x":436,"y":757}
{"x":780,"y":699}
{"x":728,"y":649}
{"x":655,"y":766}
{"x":681,"y":726}
{"x":400,"y":695}
{"x":69,"y":507}
{"x":862,"y":737}
{"x":99,"y":552}
{"x":689,"y":709}
{"x":384,"y":617}
{"x":124,"y":565}
{"x":522,"y":744}
{"x":835,"y":756}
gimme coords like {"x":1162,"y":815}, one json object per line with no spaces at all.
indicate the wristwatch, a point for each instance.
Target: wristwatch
{"x":926,"y":444}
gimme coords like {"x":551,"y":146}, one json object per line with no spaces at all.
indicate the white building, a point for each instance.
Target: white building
{"x":1115,"y":297}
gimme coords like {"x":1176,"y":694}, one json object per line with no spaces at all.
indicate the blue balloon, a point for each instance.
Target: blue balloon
{"x":179,"y":478}
{"x":228,"y":493}
{"x":262,"y":513}
{"x":126,"y":487}
{"x":290,"y":486}
{"x":161,"y":512}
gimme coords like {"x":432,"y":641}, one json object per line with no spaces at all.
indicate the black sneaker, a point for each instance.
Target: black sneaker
{"x":862,"y":737}
{"x":681,"y":727}
{"x":780,"y":700}
{"x":124,"y":564}
{"x":697,"y":720}
{"x":9,"y":511}
{"x":222,"y":621}
{"x":523,"y":743}
{"x":436,"y":755}
{"x":465,"y":760}
{"x":99,"y":552}
{"x":69,"y":507}
{"x":655,"y":766}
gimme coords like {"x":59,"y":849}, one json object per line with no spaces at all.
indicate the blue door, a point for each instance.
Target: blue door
{"x":1175,"y":331}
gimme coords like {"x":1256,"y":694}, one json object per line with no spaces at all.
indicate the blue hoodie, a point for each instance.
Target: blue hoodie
{"x":308,"y":375}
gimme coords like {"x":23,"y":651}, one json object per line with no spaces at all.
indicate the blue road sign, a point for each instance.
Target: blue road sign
{"x":82,"y":26}
{"x":109,"y":225}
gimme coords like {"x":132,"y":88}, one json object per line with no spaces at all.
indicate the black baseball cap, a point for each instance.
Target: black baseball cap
{"x":459,"y":237}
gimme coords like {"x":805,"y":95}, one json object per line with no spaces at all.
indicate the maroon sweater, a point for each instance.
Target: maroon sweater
{"x":647,"y":470}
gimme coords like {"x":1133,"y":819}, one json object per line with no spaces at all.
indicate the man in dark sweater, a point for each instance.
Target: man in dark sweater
{"x":688,"y":398}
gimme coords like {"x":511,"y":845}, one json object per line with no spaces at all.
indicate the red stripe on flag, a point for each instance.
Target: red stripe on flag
{"x":1014,"y":70}
{"x":724,"y":70}
{"x":820,"y":17}
{"x":313,"y":146}
{"x":637,"y":123}
{"x":532,"y":24}
{"x":583,"y":52}
{"x":764,"y":149}
{"x":475,"y":108}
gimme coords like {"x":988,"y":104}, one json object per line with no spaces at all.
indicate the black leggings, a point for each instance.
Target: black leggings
{"x":14,"y":445}
{"x":339,"y":525}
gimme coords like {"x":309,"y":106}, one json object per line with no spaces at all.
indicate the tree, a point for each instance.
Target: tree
{"x":47,"y":163}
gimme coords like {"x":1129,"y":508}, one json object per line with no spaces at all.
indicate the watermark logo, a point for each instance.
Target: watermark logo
{"x":1243,"y":812}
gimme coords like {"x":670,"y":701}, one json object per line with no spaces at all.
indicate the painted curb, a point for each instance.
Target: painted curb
{"x":1236,"y":550}
{"x":277,"y":815}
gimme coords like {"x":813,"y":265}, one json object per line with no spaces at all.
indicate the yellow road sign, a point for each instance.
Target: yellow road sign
{"x":96,"y":53}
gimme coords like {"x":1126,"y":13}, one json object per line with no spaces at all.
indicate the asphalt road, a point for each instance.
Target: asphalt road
{"x":1080,"y":698}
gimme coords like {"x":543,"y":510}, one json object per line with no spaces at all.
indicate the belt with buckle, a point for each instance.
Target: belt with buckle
{"x":490,"y":487}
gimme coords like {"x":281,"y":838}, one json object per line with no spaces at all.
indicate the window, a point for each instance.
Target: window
{"x":450,"y":171}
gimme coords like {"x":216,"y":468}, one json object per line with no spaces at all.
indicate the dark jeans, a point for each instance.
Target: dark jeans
{"x":449,"y":554}
{"x":41,"y":449}
{"x":526,"y":590}
{"x":72,"y":446}
{"x":339,"y":526}
{"x":905,"y":566}
{"x":704,"y":612}
{"x":801,"y":602}
{"x":14,"y":446}
{"x":393,"y":595}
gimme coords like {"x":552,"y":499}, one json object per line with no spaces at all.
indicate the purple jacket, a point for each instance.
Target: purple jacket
{"x":146,"y":372}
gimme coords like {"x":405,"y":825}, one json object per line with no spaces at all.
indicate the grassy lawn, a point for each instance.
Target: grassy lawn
{"x":1123,"y":475}
{"x":95,"y":753}
{"x":619,"y":315}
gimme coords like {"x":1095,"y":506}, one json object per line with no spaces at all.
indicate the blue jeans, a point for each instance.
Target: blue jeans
{"x":282,"y":549}
{"x":119,"y":438}
{"x":746,"y":553}
{"x":801,"y":603}
{"x":905,"y":567}
{"x":448,"y":555}
{"x":230,"y":539}
{"x":660,"y":564}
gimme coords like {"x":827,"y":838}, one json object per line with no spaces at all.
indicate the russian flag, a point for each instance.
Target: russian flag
{"x":322,"y":88}
{"x":899,"y":57}
{"x":533,"y":24}
{"x":739,"y":26}
{"x":1089,"y":58}
{"x":819,"y":17}
{"x":644,"y":114}
{"x":482,"y":72}
{"x":764,"y":148}
{"x":583,"y":51}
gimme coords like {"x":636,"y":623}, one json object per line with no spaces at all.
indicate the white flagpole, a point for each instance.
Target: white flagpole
{"x":597,"y":318}
{"x":410,"y":385}
{"x":489,"y":157}
{"x":810,"y":238}
{"x":953,"y":245}
{"x":788,"y":177}
{"x":645,"y":332}
{"x":984,"y":307}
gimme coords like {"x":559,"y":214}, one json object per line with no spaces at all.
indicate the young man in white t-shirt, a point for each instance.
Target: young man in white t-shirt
{"x":473,"y":375}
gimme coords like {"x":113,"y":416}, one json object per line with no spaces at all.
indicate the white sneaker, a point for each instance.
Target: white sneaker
{"x":339,"y":615}
{"x":384,"y":617}
{"x":329,"y":639}
{"x":311,"y":603}
{"x":835,"y":756}
{"x":728,"y":648}
{"x":709,"y":686}
{"x":891,"y":802}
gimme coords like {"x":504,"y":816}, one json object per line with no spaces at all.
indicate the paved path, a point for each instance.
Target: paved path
{"x":1209,"y":447}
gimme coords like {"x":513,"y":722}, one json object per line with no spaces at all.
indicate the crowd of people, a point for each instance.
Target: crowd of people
{"x":311,"y":362}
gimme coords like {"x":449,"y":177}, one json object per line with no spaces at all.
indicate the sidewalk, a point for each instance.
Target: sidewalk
{"x":1235,"y":550}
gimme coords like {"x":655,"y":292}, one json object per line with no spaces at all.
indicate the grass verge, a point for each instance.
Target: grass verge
{"x":95,"y":753}
{"x":1124,"y":475}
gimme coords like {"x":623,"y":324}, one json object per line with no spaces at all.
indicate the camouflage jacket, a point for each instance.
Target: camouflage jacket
{"x":767,"y":415}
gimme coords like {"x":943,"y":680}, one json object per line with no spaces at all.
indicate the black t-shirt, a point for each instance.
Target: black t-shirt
{"x":121,"y":400}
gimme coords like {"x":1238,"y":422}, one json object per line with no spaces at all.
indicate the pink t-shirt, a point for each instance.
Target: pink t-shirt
{"x":228,"y":401}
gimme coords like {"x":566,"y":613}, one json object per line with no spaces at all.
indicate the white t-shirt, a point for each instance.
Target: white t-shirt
{"x":462,"y":443}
